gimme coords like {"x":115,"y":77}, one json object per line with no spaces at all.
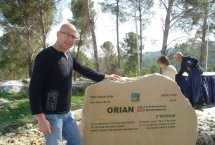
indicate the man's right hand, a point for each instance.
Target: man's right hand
{"x":43,"y":123}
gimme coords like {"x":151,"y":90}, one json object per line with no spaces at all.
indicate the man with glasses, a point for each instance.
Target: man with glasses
{"x":50,"y":88}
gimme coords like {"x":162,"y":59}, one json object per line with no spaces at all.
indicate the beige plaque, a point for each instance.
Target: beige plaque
{"x":148,"y":111}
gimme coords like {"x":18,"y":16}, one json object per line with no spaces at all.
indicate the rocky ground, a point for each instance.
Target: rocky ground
{"x":206,"y":126}
{"x":29,"y":135}
{"x":26,"y":135}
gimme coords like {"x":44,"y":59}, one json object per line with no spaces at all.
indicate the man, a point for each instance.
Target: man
{"x":50,"y":88}
{"x":191,"y":66}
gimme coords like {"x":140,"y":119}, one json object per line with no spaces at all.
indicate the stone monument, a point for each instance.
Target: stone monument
{"x":147,"y":111}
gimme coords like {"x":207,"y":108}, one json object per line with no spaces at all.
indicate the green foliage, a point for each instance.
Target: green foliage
{"x":25,"y":24}
{"x":150,"y":58}
{"x":135,"y":6}
{"x":77,"y":102}
{"x":19,"y":12}
{"x":192,"y":48}
{"x":201,"y":14}
{"x":79,"y":14}
{"x":130,"y":55}
{"x":211,"y":68}
{"x":13,"y":63}
{"x":110,"y":58}
{"x":111,"y":6}
{"x":17,"y":112}
{"x":84,"y":60}
{"x":108,"y":47}
{"x":187,"y":48}
{"x":196,"y":10}
{"x":13,"y":96}
{"x":84,"y":19}
{"x":154,"y":68}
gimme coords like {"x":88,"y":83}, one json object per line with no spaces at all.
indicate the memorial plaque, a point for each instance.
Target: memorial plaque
{"x":148,"y":111}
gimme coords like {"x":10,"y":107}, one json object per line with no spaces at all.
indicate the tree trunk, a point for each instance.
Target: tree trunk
{"x":29,"y":53}
{"x":91,"y":23}
{"x":77,"y":53}
{"x":141,"y":35}
{"x":92,"y":29}
{"x":42,"y":23}
{"x":204,"y":51}
{"x":117,"y":32}
{"x":167,"y":27}
{"x":138,"y":43}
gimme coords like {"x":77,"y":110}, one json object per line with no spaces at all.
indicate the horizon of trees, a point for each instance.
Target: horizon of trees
{"x":26,"y":24}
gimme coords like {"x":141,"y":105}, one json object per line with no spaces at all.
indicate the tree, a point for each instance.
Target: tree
{"x":45,"y":8}
{"x":91,"y":13}
{"x":109,"y":57}
{"x":80,"y":21}
{"x":204,"y":51}
{"x":168,"y":7}
{"x":175,"y":13}
{"x":117,"y":8}
{"x":31,"y":21}
{"x":140,"y":8}
{"x":84,"y":18}
{"x":11,"y":66}
{"x":203,"y":13}
{"x":131,"y":54}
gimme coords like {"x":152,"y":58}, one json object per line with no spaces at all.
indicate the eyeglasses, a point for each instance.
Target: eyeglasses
{"x":69,"y":35}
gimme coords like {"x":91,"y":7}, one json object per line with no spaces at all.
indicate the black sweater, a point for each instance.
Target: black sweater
{"x":50,"y":87}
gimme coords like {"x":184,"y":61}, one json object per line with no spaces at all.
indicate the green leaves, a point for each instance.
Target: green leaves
{"x":116,"y":7}
{"x":25,"y":24}
{"x":131,"y":54}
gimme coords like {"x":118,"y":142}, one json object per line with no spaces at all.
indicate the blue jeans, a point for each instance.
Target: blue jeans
{"x":63,"y":127}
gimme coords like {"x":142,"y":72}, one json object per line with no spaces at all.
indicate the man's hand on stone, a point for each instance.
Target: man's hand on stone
{"x":113,"y":77}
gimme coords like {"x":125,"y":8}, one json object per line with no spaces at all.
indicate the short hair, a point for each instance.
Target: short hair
{"x":163,"y":60}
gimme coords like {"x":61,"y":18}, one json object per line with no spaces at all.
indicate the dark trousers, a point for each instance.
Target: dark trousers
{"x":195,"y":84}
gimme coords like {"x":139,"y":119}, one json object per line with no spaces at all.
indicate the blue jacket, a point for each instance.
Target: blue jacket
{"x":189,"y":64}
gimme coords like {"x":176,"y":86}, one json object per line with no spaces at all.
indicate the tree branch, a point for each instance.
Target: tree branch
{"x":177,"y":16}
{"x":164,"y":4}
{"x":176,"y":39}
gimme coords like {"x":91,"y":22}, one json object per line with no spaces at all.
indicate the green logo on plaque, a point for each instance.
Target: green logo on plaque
{"x":135,"y":96}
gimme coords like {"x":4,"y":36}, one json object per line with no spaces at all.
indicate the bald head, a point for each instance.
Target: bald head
{"x":66,"y":37}
{"x":70,"y":29}
{"x":179,"y":56}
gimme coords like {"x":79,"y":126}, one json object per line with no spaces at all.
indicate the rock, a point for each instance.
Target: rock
{"x":11,"y":134}
{"x":206,"y":126}
{"x":16,"y":86}
{"x":29,"y":126}
{"x":76,"y":114}
{"x":30,"y":135}
{"x":13,"y":86}
{"x":147,"y":111}
{"x":80,"y":86}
